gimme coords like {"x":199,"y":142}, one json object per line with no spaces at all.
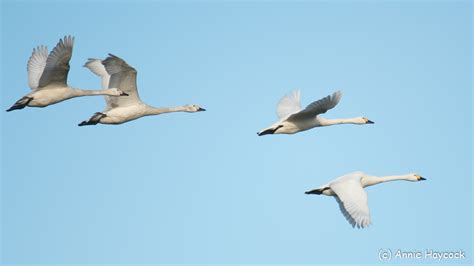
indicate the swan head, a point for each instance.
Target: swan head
{"x":192,"y":108}
{"x":415,"y":177}
{"x":117,"y":92}
{"x":419,"y":177}
{"x":362,"y":120}
{"x":365,"y":120}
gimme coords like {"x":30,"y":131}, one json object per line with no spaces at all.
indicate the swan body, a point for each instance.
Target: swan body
{"x":348,"y":190}
{"x":293,"y":119}
{"x":47,"y":78}
{"x":116,"y":73}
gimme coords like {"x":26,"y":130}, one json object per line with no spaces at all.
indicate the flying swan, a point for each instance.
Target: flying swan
{"x":294,"y":119}
{"x":116,"y":73}
{"x":47,"y":78}
{"x":351,"y":196}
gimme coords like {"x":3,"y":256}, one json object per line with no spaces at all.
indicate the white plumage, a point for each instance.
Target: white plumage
{"x":351,"y":196}
{"x":293,"y":119}
{"x":36,"y":65}
{"x":47,"y":77}
{"x":115,"y":72}
{"x":95,"y":65}
{"x":289,"y":104}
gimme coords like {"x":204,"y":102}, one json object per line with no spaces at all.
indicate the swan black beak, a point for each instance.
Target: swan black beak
{"x":124,"y":94}
{"x":370,"y":122}
{"x":266,"y":132}
{"x":422,"y":178}
{"x":201,"y":109}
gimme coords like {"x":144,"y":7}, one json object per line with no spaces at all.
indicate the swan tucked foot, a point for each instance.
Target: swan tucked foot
{"x":20,"y":104}
{"x":317,"y":191}
{"x":269,"y":131}
{"x":94,"y":120}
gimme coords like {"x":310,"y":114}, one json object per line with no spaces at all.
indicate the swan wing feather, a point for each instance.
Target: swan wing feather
{"x":35,"y":66}
{"x":315,"y":108}
{"x":124,"y":78}
{"x":289,"y":104}
{"x":57,"y":63}
{"x":352,"y":200}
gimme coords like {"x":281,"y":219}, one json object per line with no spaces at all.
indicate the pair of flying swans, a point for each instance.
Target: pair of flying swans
{"x":348,"y":190}
{"x":47,"y":78}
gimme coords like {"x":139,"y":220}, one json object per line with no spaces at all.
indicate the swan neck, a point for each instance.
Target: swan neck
{"x":373,"y":180}
{"x":81,"y":92}
{"x":150,"y":110}
{"x":329,"y":122}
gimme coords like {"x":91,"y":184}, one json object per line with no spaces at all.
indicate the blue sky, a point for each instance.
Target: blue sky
{"x":203,"y":188}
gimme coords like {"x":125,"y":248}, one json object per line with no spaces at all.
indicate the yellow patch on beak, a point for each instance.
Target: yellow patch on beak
{"x":419,"y":177}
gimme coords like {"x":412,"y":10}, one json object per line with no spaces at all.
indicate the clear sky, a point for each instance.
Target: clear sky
{"x":204,"y":188}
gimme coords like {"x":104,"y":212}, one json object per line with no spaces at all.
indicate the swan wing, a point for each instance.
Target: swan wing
{"x":36,"y":65}
{"x":96,"y":67}
{"x":57,"y":64}
{"x":352,"y":200}
{"x":320,"y":106}
{"x":124,"y":78}
{"x":289,"y":104}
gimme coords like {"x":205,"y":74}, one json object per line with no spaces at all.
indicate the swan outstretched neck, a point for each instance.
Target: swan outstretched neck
{"x":192,"y":108}
{"x":355,"y":121}
{"x":106,"y":92}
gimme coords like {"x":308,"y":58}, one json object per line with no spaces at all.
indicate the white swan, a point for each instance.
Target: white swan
{"x":124,"y":109}
{"x":294,"y":119}
{"x":351,"y":196}
{"x":47,"y":77}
